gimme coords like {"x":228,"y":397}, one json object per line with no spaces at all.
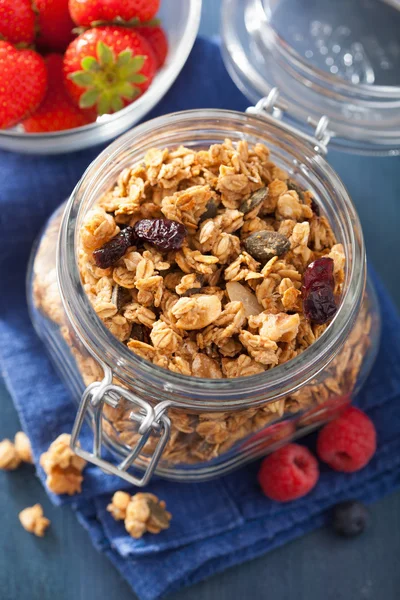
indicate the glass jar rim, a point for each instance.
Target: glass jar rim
{"x":159,"y":383}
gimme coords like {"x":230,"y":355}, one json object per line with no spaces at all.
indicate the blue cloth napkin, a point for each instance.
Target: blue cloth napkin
{"x":215,"y":524}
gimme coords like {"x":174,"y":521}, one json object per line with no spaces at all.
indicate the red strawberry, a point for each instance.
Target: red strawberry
{"x":108,"y":67}
{"x":57,"y":111}
{"x":23,"y":82}
{"x":157,"y":40}
{"x":54,"y":24}
{"x":17,"y":21}
{"x":86,"y":12}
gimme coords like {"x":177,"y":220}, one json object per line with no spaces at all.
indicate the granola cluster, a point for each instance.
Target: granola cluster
{"x":227,"y":302}
{"x":33,"y":520}
{"x":141,"y":513}
{"x":13,"y":454}
{"x":62,"y":467}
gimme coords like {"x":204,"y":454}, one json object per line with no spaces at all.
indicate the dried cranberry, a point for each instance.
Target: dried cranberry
{"x":315,"y":207}
{"x":112,"y":251}
{"x":165,"y":234}
{"x":319,"y":271}
{"x":319,"y":303}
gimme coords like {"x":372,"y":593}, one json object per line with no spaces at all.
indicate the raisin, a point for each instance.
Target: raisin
{"x":319,"y":303}
{"x":318,"y":284}
{"x":112,"y":251}
{"x":319,"y":271}
{"x":165,"y":234}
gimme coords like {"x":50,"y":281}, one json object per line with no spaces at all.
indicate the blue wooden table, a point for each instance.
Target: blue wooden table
{"x":65,"y":566}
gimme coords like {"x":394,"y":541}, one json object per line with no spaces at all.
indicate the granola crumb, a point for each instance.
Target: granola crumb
{"x":23,"y":447}
{"x":146,"y":513}
{"x":33,"y":520}
{"x":63,"y":467}
{"x":118,"y":505}
{"x":9,"y":457}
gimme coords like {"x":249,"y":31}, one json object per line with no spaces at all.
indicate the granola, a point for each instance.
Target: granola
{"x":62,"y":467}
{"x":141,"y":513}
{"x":245,"y":223}
{"x":33,"y":520}
{"x":9,"y":457}
{"x":210,"y":308}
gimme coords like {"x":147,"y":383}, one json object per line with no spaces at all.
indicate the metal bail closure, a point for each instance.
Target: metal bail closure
{"x":271,"y":108}
{"x":151,"y":420}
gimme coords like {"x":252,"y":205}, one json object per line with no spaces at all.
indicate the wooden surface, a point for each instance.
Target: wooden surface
{"x":65,"y":566}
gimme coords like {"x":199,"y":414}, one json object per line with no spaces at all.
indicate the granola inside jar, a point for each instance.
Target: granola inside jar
{"x":208,"y":318}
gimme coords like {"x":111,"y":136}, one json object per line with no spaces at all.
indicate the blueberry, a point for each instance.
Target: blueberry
{"x":350,"y":518}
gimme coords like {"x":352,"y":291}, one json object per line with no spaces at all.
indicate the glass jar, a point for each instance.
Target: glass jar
{"x":188,"y":428}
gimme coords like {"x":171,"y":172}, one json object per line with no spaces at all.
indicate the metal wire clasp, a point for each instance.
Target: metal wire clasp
{"x":270,"y":108}
{"x":151,"y":420}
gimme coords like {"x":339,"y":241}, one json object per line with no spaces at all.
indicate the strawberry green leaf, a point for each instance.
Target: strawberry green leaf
{"x":137,"y":62}
{"x":89,"y":98}
{"x":82,"y":78}
{"x":89,"y":63}
{"x":116,"y":104}
{"x":104,"y":105}
{"x":126,"y":90}
{"x":124,"y":58}
{"x":105,"y":54}
{"x":136,"y":78}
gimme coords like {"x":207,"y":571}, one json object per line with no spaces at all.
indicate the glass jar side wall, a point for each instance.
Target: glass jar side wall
{"x":202,"y":444}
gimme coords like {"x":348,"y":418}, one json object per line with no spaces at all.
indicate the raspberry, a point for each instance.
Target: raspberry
{"x":289,"y":473}
{"x":348,"y":443}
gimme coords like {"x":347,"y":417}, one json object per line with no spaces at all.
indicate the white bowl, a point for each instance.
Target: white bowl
{"x":181,"y":20}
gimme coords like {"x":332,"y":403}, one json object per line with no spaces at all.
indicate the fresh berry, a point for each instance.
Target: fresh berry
{"x":108,"y":67}
{"x":57,"y":111}
{"x":23,"y":80}
{"x":157,"y":40}
{"x":271,"y":434}
{"x":17,"y":21}
{"x":86,"y":12}
{"x":319,"y":303}
{"x":348,"y":443}
{"x":163,"y":233}
{"x":111,"y":251}
{"x":319,"y":271}
{"x":328,"y":410}
{"x":54,"y":25}
{"x":350,"y":518}
{"x":288,"y":473}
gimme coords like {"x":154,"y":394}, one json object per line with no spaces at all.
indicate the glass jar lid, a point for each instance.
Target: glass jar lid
{"x":340,"y":59}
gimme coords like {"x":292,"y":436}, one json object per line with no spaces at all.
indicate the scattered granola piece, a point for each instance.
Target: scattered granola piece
{"x":146,"y":513}
{"x":23,"y":447}
{"x":119,"y":504}
{"x":9,"y":457}
{"x":32,"y":520}
{"x":63,"y":467}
